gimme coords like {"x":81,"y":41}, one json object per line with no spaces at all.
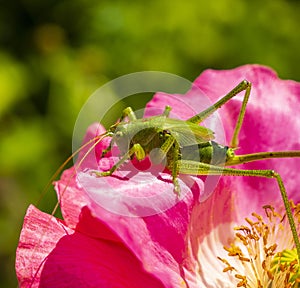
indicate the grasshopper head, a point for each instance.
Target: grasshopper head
{"x":121,"y":136}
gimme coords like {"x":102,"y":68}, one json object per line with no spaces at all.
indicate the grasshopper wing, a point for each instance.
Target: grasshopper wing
{"x":187,"y":133}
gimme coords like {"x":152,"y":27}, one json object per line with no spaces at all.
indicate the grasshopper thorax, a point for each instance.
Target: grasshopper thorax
{"x":128,"y":134}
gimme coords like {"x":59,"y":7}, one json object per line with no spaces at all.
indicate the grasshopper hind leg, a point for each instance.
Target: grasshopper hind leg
{"x":198,"y":168}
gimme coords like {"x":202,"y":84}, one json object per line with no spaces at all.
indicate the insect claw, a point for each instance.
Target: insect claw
{"x":94,"y":173}
{"x":177,"y":189}
{"x":106,"y":173}
{"x":100,"y":174}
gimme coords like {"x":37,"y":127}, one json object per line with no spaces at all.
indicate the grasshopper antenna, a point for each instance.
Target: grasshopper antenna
{"x":98,"y":139}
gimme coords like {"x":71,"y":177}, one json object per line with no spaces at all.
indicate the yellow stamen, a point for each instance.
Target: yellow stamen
{"x":263,"y":253}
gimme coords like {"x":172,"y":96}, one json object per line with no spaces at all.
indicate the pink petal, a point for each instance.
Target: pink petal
{"x":164,"y":248}
{"x":91,"y":159}
{"x":270,"y":112}
{"x":64,"y":258}
{"x":142,"y":235}
{"x":260,"y":111}
{"x":263,"y":130}
{"x":237,"y":197}
{"x":39,"y":235}
{"x":232,"y":194}
{"x":161,"y":257}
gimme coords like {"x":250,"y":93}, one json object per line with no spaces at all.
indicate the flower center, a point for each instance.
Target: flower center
{"x":263,"y":253}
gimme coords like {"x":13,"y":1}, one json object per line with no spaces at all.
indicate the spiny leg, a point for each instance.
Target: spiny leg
{"x":136,"y":149}
{"x":128,"y":112}
{"x":175,"y":168}
{"x":172,"y":163}
{"x":235,"y":137}
{"x":159,"y":154}
{"x":198,"y":168}
{"x":242,"y":86}
{"x":246,"y":158}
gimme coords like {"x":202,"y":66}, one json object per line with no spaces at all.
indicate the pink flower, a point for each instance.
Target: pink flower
{"x":180,"y":246}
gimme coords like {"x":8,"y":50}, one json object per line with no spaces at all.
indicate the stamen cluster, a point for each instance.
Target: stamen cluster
{"x":263,"y":253}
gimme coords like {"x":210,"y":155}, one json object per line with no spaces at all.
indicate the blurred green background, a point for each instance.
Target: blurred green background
{"x":55,"y":53}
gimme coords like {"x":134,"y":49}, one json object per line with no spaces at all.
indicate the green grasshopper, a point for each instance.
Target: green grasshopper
{"x":187,"y":148}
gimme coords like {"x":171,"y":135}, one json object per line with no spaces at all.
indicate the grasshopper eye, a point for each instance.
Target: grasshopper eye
{"x":118,"y":134}
{"x":162,"y":134}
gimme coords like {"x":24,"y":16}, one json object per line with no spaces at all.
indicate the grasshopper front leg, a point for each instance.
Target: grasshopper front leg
{"x":175,"y":168}
{"x":172,"y":158}
{"x":136,"y":150}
